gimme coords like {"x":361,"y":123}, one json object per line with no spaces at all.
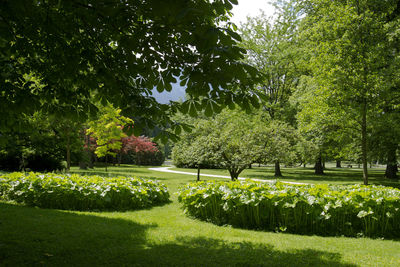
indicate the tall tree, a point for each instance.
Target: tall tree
{"x":272,"y":49}
{"x":353,"y":55}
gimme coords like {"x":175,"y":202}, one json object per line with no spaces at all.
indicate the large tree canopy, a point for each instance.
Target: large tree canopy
{"x":355,"y":59}
{"x":61,"y":56}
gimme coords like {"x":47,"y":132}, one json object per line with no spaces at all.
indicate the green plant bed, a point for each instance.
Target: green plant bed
{"x":76,"y":192}
{"x":303,"y":209}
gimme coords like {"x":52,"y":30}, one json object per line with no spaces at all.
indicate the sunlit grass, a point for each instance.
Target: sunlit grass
{"x":306,"y":175}
{"x":164,"y":236}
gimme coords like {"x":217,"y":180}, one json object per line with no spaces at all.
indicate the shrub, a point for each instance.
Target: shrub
{"x":41,"y":163}
{"x":75,"y":192}
{"x":9,"y":161}
{"x":304,"y":209}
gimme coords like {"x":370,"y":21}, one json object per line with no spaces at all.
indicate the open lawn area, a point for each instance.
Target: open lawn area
{"x":164,"y":236}
{"x":306,"y":175}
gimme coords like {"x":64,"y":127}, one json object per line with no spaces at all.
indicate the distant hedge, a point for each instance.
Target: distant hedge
{"x":75,"y":192}
{"x":303,"y":209}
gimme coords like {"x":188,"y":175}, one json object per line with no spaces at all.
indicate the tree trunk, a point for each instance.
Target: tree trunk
{"x":319,"y":170}
{"x":304,"y":165}
{"x":250,"y":166}
{"x":323,"y":164}
{"x":106,"y":162}
{"x":234,"y":175}
{"x":364,"y":142}
{"x":391,"y":166}
{"x":119,"y":158}
{"x":68,"y":153}
{"x":338,"y":163}
{"x":198,"y":172}
{"x":277,"y":169}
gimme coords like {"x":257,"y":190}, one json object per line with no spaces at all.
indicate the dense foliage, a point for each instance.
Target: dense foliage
{"x":140,"y":151}
{"x":228,"y":140}
{"x":304,"y":209}
{"x":75,"y":192}
{"x":64,"y":56}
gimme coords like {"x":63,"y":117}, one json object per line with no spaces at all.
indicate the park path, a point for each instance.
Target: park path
{"x":167,"y":169}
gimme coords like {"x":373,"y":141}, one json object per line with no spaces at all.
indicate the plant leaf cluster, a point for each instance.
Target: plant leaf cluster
{"x":354,"y":210}
{"x":76,"y":192}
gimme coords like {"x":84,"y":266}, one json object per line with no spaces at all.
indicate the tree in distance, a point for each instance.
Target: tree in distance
{"x":108,"y":131}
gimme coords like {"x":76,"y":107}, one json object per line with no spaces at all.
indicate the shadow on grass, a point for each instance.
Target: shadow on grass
{"x":31,"y":236}
{"x":189,"y":251}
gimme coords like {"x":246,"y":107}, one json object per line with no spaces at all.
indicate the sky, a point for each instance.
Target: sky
{"x":250,"y":8}
{"x":240,"y":12}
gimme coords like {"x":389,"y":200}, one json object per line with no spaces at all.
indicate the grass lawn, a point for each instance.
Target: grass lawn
{"x":164,"y":236}
{"x":306,"y":175}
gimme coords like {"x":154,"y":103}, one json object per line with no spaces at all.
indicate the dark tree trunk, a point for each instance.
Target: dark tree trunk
{"x":278,"y":172}
{"x":304,"y":165}
{"x":119,"y":158}
{"x":198,"y":172}
{"x":391,"y":166}
{"x":323,"y":164}
{"x":319,"y":169}
{"x":338,"y":163}
{"x":250,"y":166}
{"x":91,"y":159}
{"x":68,"y":152}
{"x":234,"y":174}
{"x":364,"y":149}
{"x":106,"y":162}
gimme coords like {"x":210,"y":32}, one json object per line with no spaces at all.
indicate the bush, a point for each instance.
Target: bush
{"x":303,"y":209}
{"x":75,"y":192}
{"x":34,"y":162}
{"x":42,"y":163}
{"x":9,"y":161}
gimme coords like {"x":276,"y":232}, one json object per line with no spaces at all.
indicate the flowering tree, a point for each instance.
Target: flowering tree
{"x":141,"y":147}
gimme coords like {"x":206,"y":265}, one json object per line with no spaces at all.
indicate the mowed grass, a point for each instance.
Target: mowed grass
{"x":164,"y":236}
{"x":306,"y":175}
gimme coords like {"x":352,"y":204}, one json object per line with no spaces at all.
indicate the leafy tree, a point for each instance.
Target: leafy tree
{"x":140,"y":150}
{"x":272,"y":49}
{"x":353,"y":48}
{"x":63,"y":57}
{"x":36,"y":145}
{"x":279,"y":143}
{"x":227,"y":139}
{"x":328,"y":127}
{"x":108,"y":131}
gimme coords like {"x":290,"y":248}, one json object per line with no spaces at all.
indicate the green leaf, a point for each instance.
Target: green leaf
{"x":208,"y":111}
{"x":192,"y":110}
{"x":178,"y":129}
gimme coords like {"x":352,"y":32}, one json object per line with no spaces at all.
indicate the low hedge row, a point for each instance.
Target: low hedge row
{"x":75,"y":192}
{"x":304,"y":209}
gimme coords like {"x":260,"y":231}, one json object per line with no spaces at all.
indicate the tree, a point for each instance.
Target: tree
{"x":36,"y":146}
{"x":227,"y":139}
{"x":108,"y":131}
{"x":65,"y":56}
{"x":140,"y":150}
{"x":353,"y":57}
{"x":279,"y":143}
{"x":272,"y":49}
{"x":328,"y":127}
